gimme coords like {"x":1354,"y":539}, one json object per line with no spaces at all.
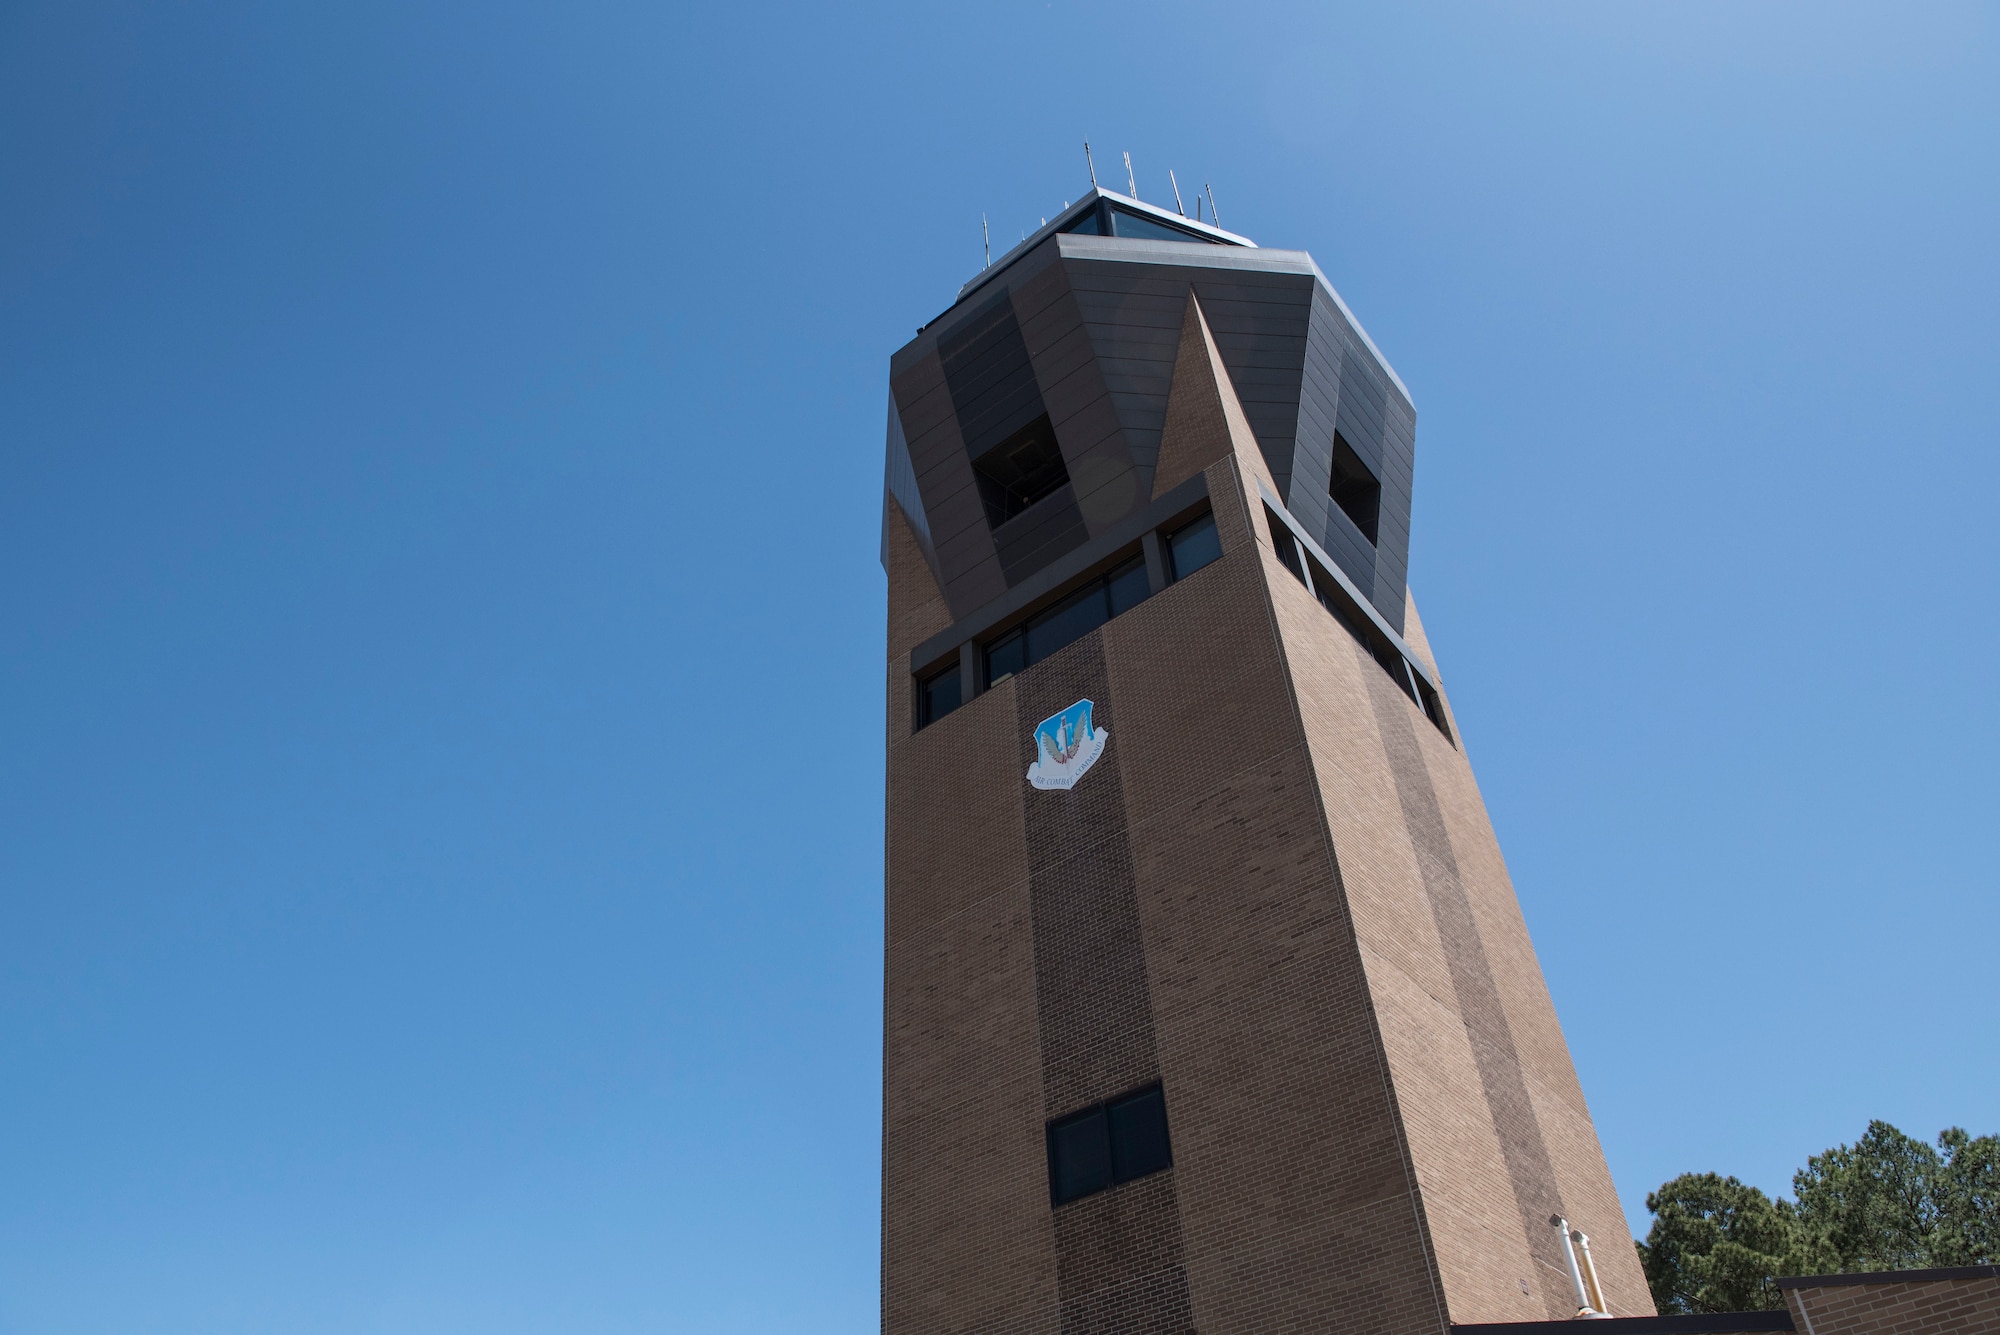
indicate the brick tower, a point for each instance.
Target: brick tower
{"x":1209,"y":1003}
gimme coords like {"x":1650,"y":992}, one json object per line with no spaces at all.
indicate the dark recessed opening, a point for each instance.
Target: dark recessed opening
{"x":1354,"y":488}
{"x":1020,"y":470}
{"x":1111,"y":1143}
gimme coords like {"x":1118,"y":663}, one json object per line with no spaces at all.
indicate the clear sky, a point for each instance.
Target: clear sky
{"x":440,"y":626}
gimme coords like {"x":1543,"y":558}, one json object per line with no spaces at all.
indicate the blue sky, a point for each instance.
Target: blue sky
{"x":440,"y":799}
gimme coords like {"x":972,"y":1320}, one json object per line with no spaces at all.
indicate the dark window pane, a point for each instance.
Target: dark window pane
{"x":1334,"y":600}
{"x":941,"y":695}
{"x":1006,"y":657}
{"x":1393,"y":664}
{"x":1286,"y":547}
{"x":1068,"y":621}
{"x":1019,"y":471}
{"x":1131,"y":224}
{"x":1086,"y":225}
{"x":1354,"y":488}
{"x":1128,"y":586}
{"x":1194,"y":546}
{"x":1433,"y":707}
{"x":1139,"y":1136}
{"x":1079,"y":1156}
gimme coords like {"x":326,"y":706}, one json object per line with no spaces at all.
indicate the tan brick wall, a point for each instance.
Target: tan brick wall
{"x":1295,"y":1202}
{"x":1968,"y":1305}
{"x":1279,"y":894}
{"x":1582,"y":1177}
{"x":967,"y":1243}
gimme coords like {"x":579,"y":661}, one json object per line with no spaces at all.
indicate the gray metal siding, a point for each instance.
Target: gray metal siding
{"x":1087,"y":330}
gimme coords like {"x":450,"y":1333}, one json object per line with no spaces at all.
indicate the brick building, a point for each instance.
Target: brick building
{"x":1209,"y":1003}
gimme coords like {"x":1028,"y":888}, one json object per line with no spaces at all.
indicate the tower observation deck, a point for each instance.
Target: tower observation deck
{"x":1209,"y":1005}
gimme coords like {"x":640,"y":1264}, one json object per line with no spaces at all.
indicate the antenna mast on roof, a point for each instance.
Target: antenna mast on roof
{"x":1088,"y":163}
{"x":1130,"y":179}
{"x":986,"y":238}
{"x":1178,"y":207}
{"x":1212,"y":211}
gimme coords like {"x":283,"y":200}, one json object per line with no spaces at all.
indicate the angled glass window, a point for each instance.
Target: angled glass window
{"x":1132,"y":224}
{"x":1088,"y":224}
{"x":1194,"y":546}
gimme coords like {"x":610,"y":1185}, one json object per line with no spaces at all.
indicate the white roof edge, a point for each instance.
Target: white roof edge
{"x":1055,"y":224}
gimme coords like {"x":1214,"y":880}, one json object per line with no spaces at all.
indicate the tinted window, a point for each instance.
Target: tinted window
{"x":1285,"y":546}
{"x":1006,"y":657}
{"x":1335,"y":599}
{"x":1433,"y":707}
{"x":1131,"y":224}
{"x":1087,"y":224}
{"x":1079,"y":1156}
{"x":940,"y":696}
{"x":1194,"y":546}
{"x":1139,"y":1135}
{"x":1128,"y":586}
{"x":1067,"y":622}
{"x":1111,"y":1143}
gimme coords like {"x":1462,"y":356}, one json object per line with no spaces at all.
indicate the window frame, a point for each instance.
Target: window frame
{"x":1330,"y":595}
{"x":1168,"y":540}
{"x":924,"y":684}
{"x":1022,"y":633}
{"x":1100,"y":1118}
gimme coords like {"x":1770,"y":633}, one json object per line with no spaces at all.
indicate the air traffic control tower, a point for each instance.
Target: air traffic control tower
{"x":1209,"y":1003}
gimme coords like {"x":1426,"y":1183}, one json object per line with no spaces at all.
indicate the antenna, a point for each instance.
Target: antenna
{"x":1088,"y":163}
{"x":1197,"y":208}
{"x":986,"y":238}
{"x":1130,"y":179}
{"x":1177,"y":193}
{"x":1213,"y":212}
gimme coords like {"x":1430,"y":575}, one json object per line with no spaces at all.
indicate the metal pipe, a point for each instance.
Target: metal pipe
{"x":1590,"y":1274}
{"x":1583,"y":1307}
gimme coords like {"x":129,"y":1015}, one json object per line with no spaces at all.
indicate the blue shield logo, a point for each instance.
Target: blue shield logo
{"x":1066,"y":746}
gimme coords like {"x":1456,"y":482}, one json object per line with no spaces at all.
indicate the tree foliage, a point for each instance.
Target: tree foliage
{"x":1891,"y":1202}
{"x":1886,"y":1202}
{"x":1716,"y":1244}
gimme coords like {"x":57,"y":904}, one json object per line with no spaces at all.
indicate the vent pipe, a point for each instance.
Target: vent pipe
{"x":1584,"y":1311}
{"x":1590,"y":1273}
